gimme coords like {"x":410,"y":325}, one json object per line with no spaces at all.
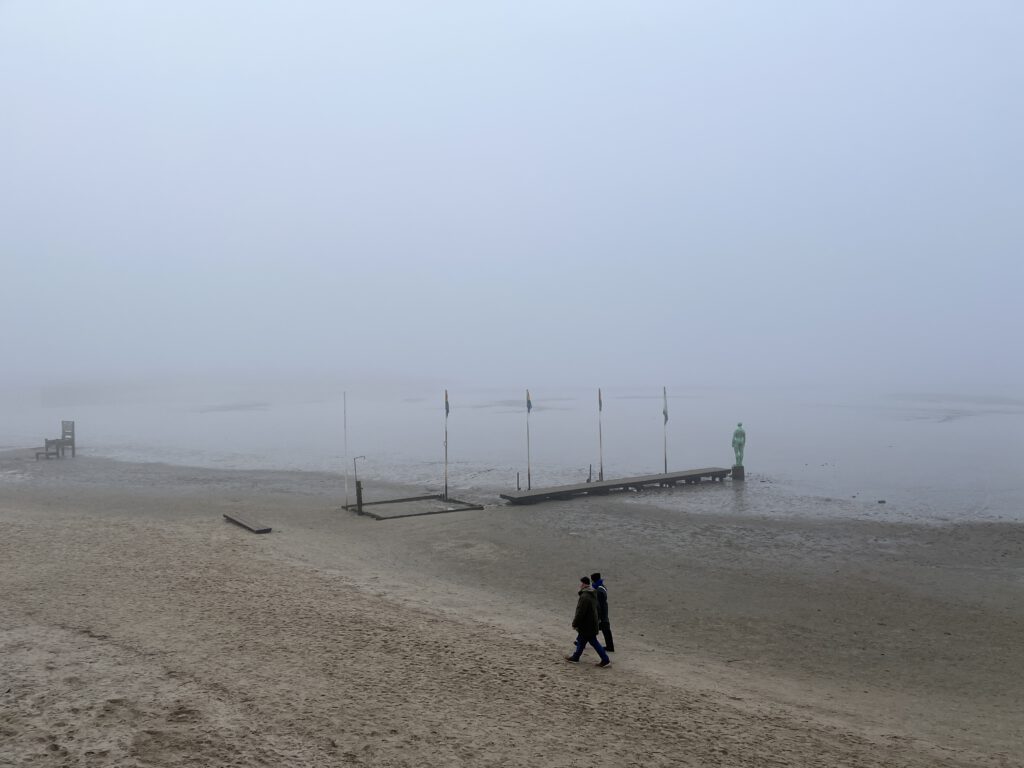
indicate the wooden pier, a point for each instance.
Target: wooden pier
{"x":612,"y":486}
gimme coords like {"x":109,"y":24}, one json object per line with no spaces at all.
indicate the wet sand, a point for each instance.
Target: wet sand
{"x":139,"y":628}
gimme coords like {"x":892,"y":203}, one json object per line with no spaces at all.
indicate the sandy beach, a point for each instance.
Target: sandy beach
{"x":138,"y":628}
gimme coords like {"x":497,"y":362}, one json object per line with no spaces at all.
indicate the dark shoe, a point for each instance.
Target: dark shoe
{"x":571,"y":659}
{"x":604,"y":663}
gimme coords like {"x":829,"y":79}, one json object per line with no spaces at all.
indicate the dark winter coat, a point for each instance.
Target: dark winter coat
{"x":602,"y":603}
{"x":585,"y":620}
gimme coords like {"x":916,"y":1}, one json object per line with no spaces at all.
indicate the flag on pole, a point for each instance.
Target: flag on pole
{"x":447,"y":408}
{"x":600,"y":405}
{"x":664,"y":410}
{"x":529,"y":402}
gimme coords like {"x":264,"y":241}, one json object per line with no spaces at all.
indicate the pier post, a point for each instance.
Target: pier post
{"x":359,"y":496}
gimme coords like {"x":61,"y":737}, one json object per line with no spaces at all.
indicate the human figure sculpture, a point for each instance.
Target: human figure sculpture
{"x":739,"y":439}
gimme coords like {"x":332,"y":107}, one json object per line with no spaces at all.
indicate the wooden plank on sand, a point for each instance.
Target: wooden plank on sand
{"x":249,"y":526}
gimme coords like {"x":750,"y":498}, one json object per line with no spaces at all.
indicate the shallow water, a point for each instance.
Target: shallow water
{"x":928,"y":457}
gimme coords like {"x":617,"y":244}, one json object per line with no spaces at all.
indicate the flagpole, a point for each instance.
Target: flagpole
{"x":666,"y":447}
{"x":528,"y":473}
{"x":664,"y":395}
{"x":600,"y":438}
{"x":446,"y":445}
{"x":344,"y":411}
{"x":528,"y":476}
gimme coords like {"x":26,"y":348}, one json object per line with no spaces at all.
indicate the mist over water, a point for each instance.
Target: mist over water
{"x":225,"y":215}
{"x":931,"y":457}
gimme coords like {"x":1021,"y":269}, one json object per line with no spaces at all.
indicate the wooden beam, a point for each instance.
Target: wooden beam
{"x":249,"y":526}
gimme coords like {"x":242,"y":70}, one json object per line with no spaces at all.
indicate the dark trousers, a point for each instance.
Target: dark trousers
{"x":581,"y":643}
{"x":606,"y":630}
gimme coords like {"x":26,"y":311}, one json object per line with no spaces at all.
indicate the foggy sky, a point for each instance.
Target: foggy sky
{"x":691,"y":193}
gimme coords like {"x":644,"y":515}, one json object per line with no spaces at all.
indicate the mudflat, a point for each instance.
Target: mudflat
{"x":137,"y":627}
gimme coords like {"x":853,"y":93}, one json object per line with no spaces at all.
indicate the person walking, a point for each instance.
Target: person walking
{"x":585,"y":623}
{"x":602,"y":611}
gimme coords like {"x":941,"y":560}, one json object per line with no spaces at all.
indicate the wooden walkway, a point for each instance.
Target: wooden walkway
{"x":612,"y":486}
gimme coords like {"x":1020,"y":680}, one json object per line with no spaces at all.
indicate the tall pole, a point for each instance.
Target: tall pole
{"x":664,"y":396}
{"x":600,"y":438}
{"x":529,"y":407}
{"x":446,"y":445}
{"x":359,"y":488}
{"x":344,"y":411}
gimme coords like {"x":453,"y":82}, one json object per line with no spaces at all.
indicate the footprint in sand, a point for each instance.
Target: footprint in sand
{"x":184,"y":715}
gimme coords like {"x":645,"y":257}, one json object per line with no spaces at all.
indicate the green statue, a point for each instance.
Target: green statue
{"x":739,"y":439}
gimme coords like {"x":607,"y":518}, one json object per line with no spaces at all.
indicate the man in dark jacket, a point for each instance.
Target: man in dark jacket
{"x":602,"y":611}
{"x":586,"y":625}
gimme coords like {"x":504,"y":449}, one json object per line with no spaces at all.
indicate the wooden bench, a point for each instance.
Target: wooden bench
{"x":52,"y":449}
{"x":56,"y":448}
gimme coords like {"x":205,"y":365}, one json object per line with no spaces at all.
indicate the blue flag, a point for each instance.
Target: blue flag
{"x":529,"y":403}
{"x":664,"y":410}
{"x":447,"y":408}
